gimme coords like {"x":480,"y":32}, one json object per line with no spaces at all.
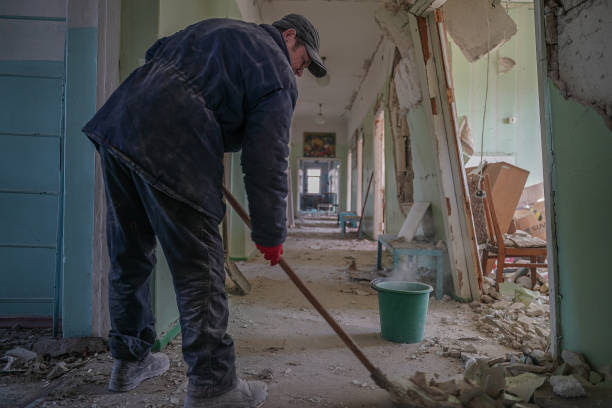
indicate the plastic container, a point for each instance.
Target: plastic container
{"x":403,"y":309}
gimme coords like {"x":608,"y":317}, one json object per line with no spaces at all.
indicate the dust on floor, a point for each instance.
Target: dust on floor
{"x":279,"y":338}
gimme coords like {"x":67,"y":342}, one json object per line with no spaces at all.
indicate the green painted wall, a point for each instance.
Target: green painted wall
{"x":582,"y":147}
{"x":78,"y":157}
{"x":142,"y":23}
{"x":174,"y":15}
{"x":240,"y":245}
{"x":139,"y":28}
{"x":425,"y":185}
{"x":511,"y":94}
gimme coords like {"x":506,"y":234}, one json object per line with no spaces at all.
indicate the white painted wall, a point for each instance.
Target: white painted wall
{"x":372,"y":85}
{"x":250,"y":11}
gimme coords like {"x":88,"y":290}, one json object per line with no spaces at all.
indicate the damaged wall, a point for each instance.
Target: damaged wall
{"x":579,"y":52}
{"x":579,"y":154}
{"x":374,"y":94}
{"x":512,"y":128}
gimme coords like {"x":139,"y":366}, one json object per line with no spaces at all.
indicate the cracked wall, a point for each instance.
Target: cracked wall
{"x":579,"y":51}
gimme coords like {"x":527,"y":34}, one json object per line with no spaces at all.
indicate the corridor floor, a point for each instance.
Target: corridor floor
{"x":282,"y":340}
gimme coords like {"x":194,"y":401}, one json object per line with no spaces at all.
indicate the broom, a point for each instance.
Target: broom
{"x":403,"y":396}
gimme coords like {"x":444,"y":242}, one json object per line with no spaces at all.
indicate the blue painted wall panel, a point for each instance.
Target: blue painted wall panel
{"x":27,"y":309}
{"x":33,"y":68}
{"x":29,"y":163}
{"x":34,"y":105}
{"x":32,"y":268}
{"x":28,"y":219}
{"x":79,"y":155}
{"x":32,"y":72}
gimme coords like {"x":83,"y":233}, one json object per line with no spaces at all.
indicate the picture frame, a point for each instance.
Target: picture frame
{"x":319,"y":144}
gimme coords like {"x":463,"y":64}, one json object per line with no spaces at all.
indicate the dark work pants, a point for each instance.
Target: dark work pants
{"x":136,"y":214}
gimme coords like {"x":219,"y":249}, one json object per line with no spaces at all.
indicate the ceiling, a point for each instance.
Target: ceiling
{"x":349,"y":36}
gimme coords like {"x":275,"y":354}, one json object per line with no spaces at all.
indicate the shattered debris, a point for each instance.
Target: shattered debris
{"x":493,"y":382}
{"x":567,"y":386}
{"x":515,"y":316}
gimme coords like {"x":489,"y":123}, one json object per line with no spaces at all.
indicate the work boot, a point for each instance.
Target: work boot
{"x":246,"y":394}
{"x":127,"y":375}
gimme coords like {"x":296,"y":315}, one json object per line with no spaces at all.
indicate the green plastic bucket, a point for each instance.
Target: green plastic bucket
{"x":403,"y":309}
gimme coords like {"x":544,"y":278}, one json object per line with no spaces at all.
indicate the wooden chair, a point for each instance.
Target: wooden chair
{"x":496,"y":248}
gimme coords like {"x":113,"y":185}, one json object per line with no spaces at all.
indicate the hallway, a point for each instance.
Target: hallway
{"x":281,"y":339}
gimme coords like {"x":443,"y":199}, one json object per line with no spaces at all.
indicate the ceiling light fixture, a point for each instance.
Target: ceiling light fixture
{"x":319,"y":119}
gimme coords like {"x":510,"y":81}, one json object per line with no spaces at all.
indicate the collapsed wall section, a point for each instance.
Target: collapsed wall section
{"x":579,"y":51}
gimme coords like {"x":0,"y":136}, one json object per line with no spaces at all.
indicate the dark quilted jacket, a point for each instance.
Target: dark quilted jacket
{"x":217,"y":86}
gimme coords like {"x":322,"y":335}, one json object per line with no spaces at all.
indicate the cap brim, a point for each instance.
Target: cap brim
{"x":316,"y":66}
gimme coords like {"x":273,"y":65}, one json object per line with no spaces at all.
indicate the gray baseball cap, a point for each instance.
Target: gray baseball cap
{"x":309,"y":35}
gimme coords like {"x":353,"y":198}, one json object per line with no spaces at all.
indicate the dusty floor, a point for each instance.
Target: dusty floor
{"x":280,"y":339}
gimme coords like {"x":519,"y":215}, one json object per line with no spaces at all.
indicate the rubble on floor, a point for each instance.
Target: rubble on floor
{"x":45,"y":357}
{"x":509,"y":382}
{"x":516,"y":317}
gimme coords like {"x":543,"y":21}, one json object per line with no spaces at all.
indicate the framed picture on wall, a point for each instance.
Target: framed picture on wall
{"x":319,"y":144}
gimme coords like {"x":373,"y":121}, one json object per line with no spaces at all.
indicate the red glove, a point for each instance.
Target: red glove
{"x":271,"y":254}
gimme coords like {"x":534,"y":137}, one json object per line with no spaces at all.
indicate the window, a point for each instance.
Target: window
{"x":313,"y":181}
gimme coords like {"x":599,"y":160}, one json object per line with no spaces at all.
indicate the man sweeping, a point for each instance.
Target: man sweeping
{"x":217,"y":86}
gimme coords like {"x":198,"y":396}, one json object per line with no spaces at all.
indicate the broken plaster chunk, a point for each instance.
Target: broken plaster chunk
{"x":465,"y":20}
{"x":567,"y":386}
{"x":22,"y":354}
{"x":595,"y":378}
{"x":57,"y":371}
{"x":524,"y":385}
{"x":501,"y":305}
{"x":486,"y":299}
{"x":540,"y":356}
{"x":505,"y":64}
{"x":577,"y":362}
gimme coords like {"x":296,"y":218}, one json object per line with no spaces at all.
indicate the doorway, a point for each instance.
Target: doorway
{"x":318,"y":186}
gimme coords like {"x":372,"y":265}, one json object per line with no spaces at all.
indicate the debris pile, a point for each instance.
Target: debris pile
{"x":516,"y":317}
{"x":506,"y":382}
{"x":46,"y":357}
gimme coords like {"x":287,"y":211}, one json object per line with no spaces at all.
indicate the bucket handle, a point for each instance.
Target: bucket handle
{"x":375,"y":282}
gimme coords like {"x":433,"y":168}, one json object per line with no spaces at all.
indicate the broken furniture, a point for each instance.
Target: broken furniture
{"x":348,"y":217}
{"x":500,"y":248}
{"x":400,"y":247}
{"x":507,"y":183}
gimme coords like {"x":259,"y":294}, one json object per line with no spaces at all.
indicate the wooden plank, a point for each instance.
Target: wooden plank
{"x":237,"y":277}
{"x":547,"y":161}
{"x":448,"y":130}
{"x":46,"y":8}
{"x":26,"y":309}
{"x":27,"y":272}
{"x":31,"y":40}
{"x":412,"y":221}
{"x":28,"y":220}
{"x":29,"y":163}
{"x":34,"y":105}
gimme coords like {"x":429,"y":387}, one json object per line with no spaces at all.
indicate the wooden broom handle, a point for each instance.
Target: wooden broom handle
{"x":346,"y":338}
